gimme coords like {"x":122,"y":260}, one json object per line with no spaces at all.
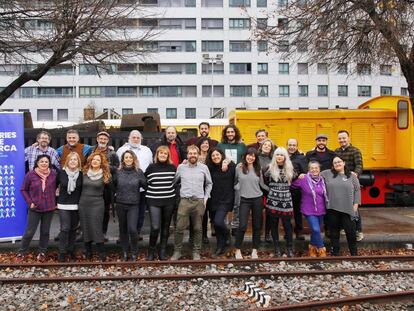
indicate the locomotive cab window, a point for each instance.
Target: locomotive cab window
{"x":402,"y":114}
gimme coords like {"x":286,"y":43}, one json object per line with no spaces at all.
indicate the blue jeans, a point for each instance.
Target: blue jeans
{"x":315,"y":224}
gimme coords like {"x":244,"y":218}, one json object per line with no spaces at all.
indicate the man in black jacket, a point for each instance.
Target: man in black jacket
{"x":321,"y":153}
{"x":178,"y":150}
{"x":300,"y":165}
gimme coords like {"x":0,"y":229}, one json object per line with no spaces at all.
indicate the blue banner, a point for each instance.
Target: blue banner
{"x":13,"y":209}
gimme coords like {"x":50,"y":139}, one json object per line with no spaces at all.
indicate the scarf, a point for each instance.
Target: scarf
{"x":72,"y":177}
{"x":312,"y":182}
{"x":95,"y":175}
{"x":43,"y":174}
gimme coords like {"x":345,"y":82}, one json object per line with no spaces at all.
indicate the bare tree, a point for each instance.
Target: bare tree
{"x":46,"y":33}
{"x":362,"y":32}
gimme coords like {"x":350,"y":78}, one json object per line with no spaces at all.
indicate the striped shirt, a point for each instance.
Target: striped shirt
{"x":160,"y":184}
{"x":31,"y":153}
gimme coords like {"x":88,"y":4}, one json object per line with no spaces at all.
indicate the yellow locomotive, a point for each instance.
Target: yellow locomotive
{"x":382,"y":128}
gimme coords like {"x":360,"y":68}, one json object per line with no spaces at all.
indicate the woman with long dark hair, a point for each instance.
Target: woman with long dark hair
{"x":161,"y":198}
{"x":277,"y":180}
{"x":222,"y":196}
{"x":344,"y":195}
{"x":70,"y":189}
{"x":39,"y":192}
{"x":96,"y":176}
{"x":247,"y":179}
{"x":128,"y":181}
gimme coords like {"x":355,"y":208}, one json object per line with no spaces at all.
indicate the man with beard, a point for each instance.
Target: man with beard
{"x":196,"y":185}
{"x":145,"y":158}
{"x":174,"y":143}
{"x":73,"y":145}
{"x":204,"y":129}
{"x":321,"y":153}
{"x":102,"y":138}
{"x":41,"y":147}
{"x":299,"y":163}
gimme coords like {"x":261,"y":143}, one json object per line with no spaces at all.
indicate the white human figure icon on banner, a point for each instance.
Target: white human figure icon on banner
{"x":13,"y":200}
{"x":13,"y":212}
{"x":7,"y":200}
{"x":11,"y":180}
{"x":1,"y":213}
{"x":1,"y":169}
{"x":11,"y":169}
{"x":1,"y":180}
{"x":1,"y":202}
{"x":5,"y":170}
{"x":1,"y":191}
{"x":6,"y":180}
{"x":7,"y":212}
{"x":6,"y":190}
{"x":12,"y":190}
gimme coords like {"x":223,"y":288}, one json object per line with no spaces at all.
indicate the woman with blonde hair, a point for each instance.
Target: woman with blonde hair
{"x":128,"y":180}
{"x":277,"y":180}
{"x":96,"y":176}
{"x":161,"y":197}
{"x":70,"y":187}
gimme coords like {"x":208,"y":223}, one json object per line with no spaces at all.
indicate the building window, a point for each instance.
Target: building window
{"x":282,"y":3}
{"x":404,"y":91}
{"x":284,"y":91}
{"x":217,"y":68}
{"x":364,"y":69}
{"x":261,"y":23}
{"x":240,"y":91}
{"x":218,"y":91}
{"x":343,"y":69}
{"x":385,"y":70}
{"x":63,"y":114}
{"x":126,"y":91}
{"x":282,"y":23}
{"x":240,"y":46}
{"x":148,"y":91}
{"x":386,"y":90}
{"x":262,"y":90}
{"x":44,"y":114}
{"x":303,"y":91}
{"x":240,"y":68}
{"x":262,"y":3}
{"x":239,"y":3}
{"x":239,"y":23}
{"x":177,"y":46}
{"x":126,"y":111}
{"x":211,"y":23}
{"x":283,"y":68}
{"x":283,"y":45}
{"x":171,"y":113}
{"x":212,"y":3}
{"x":303,"y":68}
{"x":322,"y":68}
{"x":61,"y":70}
{"x":364,"y":90}
{"x":178,"y":91}
{"x":322,"y":90}
{"x":190,"y":113}
{"x":342,"y":90}
{"x":262,"y":46}
{"x":262,"y":68}
{"x":152,"y":110}
{"x":212,"y":46}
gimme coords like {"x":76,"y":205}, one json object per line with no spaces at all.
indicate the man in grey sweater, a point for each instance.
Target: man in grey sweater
{"x":195,"y":189}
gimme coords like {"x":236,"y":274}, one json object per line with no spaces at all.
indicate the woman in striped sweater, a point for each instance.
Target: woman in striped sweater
{"x":161,"y":199}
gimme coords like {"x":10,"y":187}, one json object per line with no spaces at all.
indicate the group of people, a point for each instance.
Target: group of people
{"x":187,"y":184}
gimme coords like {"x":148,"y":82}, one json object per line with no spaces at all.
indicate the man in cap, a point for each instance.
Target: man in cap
{"x":321,"y":153}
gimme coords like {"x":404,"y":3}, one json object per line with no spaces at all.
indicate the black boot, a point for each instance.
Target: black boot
{"x":62,"y":257}
{"x":289,"y":252}
{"x":151,"y":254}
{"x":278,"y":253}
{"x":101,"y":252}
{"x":88,"y":250}
{"x":163,"y":254}
{"x":125,"y":256}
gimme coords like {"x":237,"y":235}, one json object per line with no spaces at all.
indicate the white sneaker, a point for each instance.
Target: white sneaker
{"x":359,"y":236}
{"x":238,"y":254}
{"x":254,"y":254}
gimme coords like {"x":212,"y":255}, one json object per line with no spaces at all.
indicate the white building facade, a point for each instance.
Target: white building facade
{"x":204,"y":60}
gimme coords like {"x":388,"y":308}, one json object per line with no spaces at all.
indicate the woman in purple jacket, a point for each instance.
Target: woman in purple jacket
{"x":313,"y":205}
{"x":39,"y":192}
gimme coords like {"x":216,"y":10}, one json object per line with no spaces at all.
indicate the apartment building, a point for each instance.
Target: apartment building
{"x":204,"y":62}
